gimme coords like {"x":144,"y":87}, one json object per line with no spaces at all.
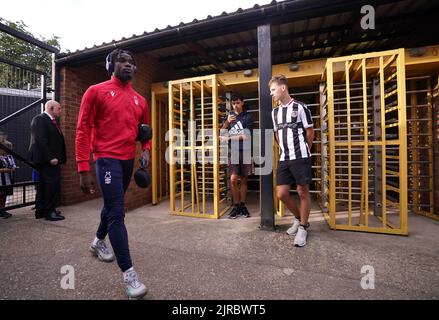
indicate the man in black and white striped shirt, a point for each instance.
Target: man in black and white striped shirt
{"x":294,"y":133}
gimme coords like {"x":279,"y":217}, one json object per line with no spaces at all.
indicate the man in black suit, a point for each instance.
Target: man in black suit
{"x":47,"y":151}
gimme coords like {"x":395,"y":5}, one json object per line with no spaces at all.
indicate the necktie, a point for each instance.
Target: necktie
{"x":56,"y":124}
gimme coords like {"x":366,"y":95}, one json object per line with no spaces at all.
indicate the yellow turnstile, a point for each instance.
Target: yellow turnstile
{"x":364,"y":142}
{"x":198,"y":177}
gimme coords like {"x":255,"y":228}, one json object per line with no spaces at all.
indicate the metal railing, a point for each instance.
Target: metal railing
{"x":23,"y":93}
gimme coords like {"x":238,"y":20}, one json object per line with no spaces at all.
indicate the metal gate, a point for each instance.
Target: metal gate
{"x":197,"y":170}
{"x":23,"y":92}
{"x":420,"y":146}
{"x":364,"y":143}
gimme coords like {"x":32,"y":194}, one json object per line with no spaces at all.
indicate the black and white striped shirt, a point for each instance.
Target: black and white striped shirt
{"x":289,"y":123}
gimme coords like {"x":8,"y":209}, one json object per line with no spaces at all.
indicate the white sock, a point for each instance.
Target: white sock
{"x":95,"y":241}
{"x":130,"y":269}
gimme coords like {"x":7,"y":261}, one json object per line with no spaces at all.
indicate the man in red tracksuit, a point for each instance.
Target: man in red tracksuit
{"x":108,"y":121}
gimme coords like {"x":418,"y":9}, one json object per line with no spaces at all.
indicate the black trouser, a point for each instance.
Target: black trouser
{"x":48,"y":189}
{"x":113,"y":177}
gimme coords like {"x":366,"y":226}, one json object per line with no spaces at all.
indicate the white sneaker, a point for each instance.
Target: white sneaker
{"x":135,"y":289}
{"x":293,"y":229}
{"x":300,"y":239}
{"x":101,"y":251}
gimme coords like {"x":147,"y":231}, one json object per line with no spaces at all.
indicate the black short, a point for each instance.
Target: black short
{"x":241,"y":169}
{"x":297,"y":172}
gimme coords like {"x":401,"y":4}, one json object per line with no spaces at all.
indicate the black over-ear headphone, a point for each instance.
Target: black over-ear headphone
{"x":109,"y":64}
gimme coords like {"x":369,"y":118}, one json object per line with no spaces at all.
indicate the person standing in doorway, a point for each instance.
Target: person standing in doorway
{"x":109,"y":119}
{"x":239,"y":124}
{"x":47,"y":151}
{"x":294,"y":133}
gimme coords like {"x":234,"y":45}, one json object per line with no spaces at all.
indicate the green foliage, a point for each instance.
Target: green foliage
{"x":24,"y":53}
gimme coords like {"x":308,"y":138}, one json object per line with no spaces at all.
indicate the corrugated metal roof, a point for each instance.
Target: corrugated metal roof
{"x":301,"y":29}
{"x":181,"y":24}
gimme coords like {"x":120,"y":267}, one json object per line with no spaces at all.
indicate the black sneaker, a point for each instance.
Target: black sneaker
{"x":234,"y":213}
{"x":244,"y":212}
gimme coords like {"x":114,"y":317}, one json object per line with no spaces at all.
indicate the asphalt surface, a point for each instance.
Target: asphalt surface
{"x":190,"y":258}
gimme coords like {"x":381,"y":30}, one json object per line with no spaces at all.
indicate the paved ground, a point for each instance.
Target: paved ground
{"x":190,"y":258}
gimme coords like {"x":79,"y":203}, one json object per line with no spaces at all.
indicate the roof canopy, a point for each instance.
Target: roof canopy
{"x":300,"y":30}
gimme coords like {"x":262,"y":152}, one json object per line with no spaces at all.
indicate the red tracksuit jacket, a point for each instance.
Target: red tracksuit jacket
{"x":107,"y":124}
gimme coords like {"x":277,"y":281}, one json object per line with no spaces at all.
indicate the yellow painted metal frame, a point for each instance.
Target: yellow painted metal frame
{"x":430,"y":213}
{"x":159,"y":113}
{"x":176,"y":91}
{"x":312,"y":70}
{"x":415,"y":130}
{"x":386,"y":59}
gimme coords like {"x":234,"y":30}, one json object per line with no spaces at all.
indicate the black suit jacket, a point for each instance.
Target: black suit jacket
{"x":46,"y":142}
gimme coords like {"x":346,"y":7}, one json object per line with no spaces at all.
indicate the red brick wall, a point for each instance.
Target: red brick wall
{"x":74,"y":82}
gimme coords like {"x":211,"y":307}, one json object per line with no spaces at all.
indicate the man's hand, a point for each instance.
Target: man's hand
{"x":146,"y":156}
{"x":87,"y":186}
{"x":54,"y":161}
{"x":231,"y":118}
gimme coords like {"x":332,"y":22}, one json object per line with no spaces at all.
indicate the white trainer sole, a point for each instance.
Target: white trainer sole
{"x":138,"y":296}
{"x":94,"y":253}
